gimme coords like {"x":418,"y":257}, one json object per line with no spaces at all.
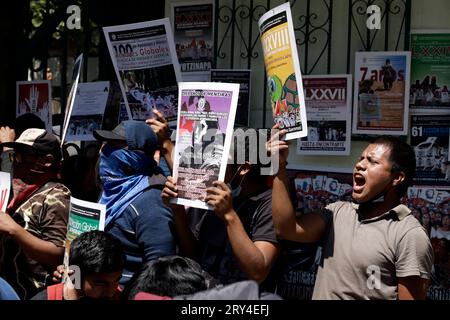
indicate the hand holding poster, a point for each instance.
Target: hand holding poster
{"x":5,"y":188}
{"x":146,"y":65}
{"x":328,"y":106}
{"x":35,"y":97}
{"x":206,"y":115}
{"x":284,"y":78}
{"x":381,"y":93}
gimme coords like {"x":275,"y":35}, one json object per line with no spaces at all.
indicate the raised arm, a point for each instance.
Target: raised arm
{"x":160,"y":126}
{"x":307,"y":228}
{"x":255,"y":258}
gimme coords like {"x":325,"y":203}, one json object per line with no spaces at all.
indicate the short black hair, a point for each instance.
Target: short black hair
{"x":403,"y":159}
{"x":97,"y":252}
{"x":168,"y":276}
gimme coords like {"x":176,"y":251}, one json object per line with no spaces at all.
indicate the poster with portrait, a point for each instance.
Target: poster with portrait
{"x":284,"y":78}
{"x":193,"y":29}
{"x":431,"y":206}
{"x":71,"y":99}
{"x":88,"y":110}
{"x":243,"y":77}
{"x":430,"y":138}
{"x":329,"y":111}
{"x":310,"y":191}
{"x":35,"y":97}
{"x":430,"y":69}
{"x":206,"y":115}
{"x":146,"y":65}
{"x":381,"y":95}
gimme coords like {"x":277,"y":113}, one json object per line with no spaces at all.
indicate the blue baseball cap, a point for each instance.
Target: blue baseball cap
{"x":137,"y":135}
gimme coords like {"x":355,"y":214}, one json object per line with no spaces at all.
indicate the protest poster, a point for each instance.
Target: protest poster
{"x":71,"y":99}
{"x":430,"y":138}
{"x":243,"y":77}
{"x":430,"y":69}
{"x":284,"y":78}
{"x":328,"y":101}
{"x":5,"y":188}
{"x":193,"y":28}
{"x":35,"y":97}
{"x":206,"y":115}
{"x":88,"y":110}
{"x":84,"y":216}
{"x":381,"y":98}
{"x":431,"y":206}
{"x":144,"y":59}
{"x":298,"y":262}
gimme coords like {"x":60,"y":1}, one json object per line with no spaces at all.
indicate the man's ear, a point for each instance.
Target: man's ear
{"x":399,"y":177}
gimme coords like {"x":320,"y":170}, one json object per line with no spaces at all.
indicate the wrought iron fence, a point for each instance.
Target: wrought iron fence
{"x":317,"y":25}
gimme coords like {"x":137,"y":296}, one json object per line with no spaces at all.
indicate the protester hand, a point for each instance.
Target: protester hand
{"x":275,"y":146}
{"x":69,"y":291}
{"x":7,"y":135}
{"x":7,"y":224}
{"x":170,"y":190}
{"x":160,"y":126}
{"x":219,"y":197}
{"x":59,"y":272}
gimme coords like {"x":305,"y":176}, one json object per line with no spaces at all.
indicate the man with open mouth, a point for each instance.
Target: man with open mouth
{"x":373,"y":247}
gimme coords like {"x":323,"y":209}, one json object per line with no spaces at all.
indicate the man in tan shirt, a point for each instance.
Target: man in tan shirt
{"x":373,"y":247}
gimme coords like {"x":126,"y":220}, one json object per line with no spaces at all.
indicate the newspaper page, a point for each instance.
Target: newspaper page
{"x":193,"y":28}
{"x":146,"y":65}
{"x":243,"y":77}
{"x":88,"y":110}
{"x":381,"y":98}
{"x":430,"y":69}
{"x":205,"y":129}
{"x":35,"y":97}
{"x":284,"y":78}
{"x":328,"y":107}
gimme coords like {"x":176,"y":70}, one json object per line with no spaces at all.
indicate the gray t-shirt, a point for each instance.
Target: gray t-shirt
{"x":364,"y":259}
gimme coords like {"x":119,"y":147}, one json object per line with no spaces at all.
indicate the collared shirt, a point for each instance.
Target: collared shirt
{"x":363,"y":258}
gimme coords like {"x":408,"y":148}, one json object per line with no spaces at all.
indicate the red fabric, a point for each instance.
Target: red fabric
{"x":55,"y":292}
{"x":22,"y":191}
{"x":150,"y":296}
